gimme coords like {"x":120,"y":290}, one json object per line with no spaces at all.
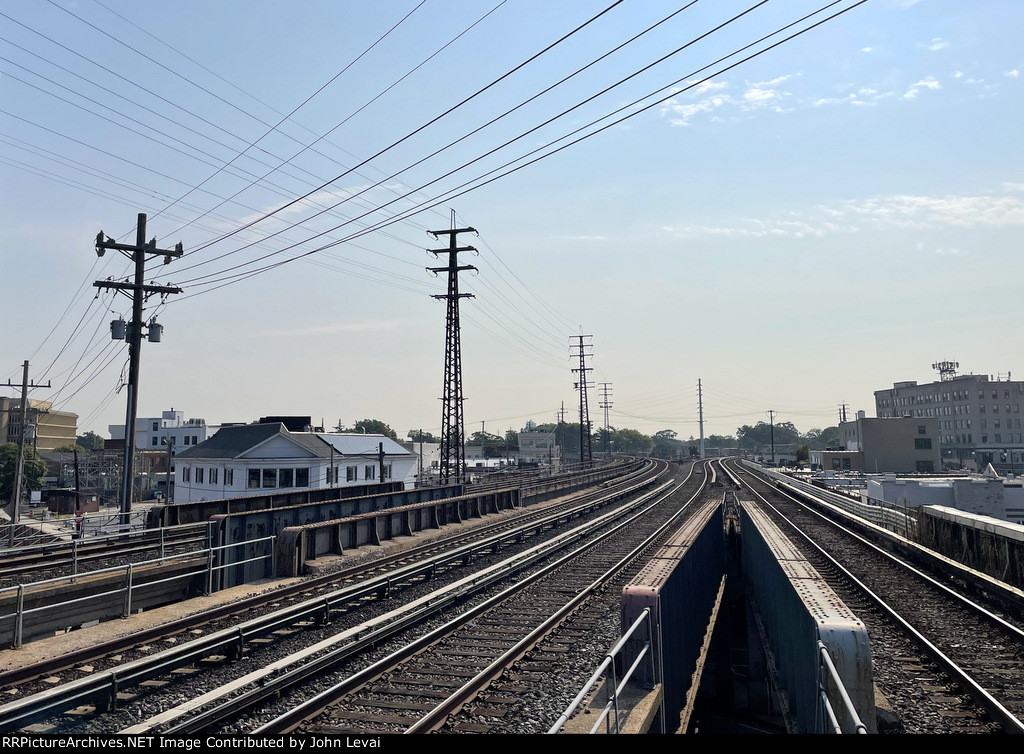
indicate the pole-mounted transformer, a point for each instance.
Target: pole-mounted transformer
{"x":132,"y":332}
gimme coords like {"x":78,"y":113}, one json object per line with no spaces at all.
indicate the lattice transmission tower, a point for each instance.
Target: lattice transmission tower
{"x":586,"y":457}
{"x":606,"y":404}
{"x":453,"y":446}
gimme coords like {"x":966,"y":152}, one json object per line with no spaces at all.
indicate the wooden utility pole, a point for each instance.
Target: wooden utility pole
{"x":419,"y":471}
{"x":19,"y":464}
{"x":138,"y":292}
{"x":78,"y":484}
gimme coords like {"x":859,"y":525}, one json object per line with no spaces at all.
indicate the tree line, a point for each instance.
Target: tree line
{"x":665,"y":443}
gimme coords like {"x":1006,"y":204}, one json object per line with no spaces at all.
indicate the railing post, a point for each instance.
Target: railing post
{"x":655,"y":659}
{"x":74,"y":557}
{"x":209,"y":572}
{"x":112,"y":704}
{"x":613,"y":690}
{"x":128,"y":593}
{"x":273,"y":558}
{"x":161,"y":543}
{"x":819,"y":711}
{"x":19,"y":618}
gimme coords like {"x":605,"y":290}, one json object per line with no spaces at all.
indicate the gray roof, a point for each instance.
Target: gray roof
{"x":231,"y":442}
{"x":361,"y":445}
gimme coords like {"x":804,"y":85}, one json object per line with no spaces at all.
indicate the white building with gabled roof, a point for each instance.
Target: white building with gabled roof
{"x":257,"y":459}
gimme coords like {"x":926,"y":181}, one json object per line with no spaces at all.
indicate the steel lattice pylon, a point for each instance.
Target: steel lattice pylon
{"x":586,"y":457}
{"x":606,"y":403}
{"x":453,"y":447}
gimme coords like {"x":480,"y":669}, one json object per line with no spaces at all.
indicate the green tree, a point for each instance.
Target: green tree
{"x":603,"y":440}
{"x":631,"y":442}
{"x":803,"y":454}
{"x":69,"y":449}
{"x":512,"y":439}
{"x":32,"y":473}
{"x":819,"y":439}
{"x":484,"y":438}
{"x":830,"y":438}
{"x":493,"y":446}
{"x":760,"y":435}
{"x":417,"y":435}
{"x":666,"y":445}
{"x":567,"y":436}
{"x":90,"y":441}
{"x":375,"y":427}
{"x":719,"y":442}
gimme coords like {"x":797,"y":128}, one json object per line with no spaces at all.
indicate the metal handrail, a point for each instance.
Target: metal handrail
{"x":68,"y":527}
{"x":127,"y":590}
{"x":616,"y":687}
{"x":154,"y":561}
{"x":827,"y":671}
{"x":97,"y":538}
{"x":880,"y":512}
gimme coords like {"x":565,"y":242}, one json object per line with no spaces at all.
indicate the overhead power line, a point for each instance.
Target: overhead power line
{"x":221,"y":278}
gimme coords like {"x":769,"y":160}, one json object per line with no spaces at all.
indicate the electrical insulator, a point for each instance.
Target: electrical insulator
{"x":155,"y":331}
{"x":118,"y":329}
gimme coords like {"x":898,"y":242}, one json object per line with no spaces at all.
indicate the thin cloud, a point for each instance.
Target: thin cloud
{"x":909,"y":211}
{"x":927,"y":83}
{"x":878,"y":213}
{"x":757,"y":95}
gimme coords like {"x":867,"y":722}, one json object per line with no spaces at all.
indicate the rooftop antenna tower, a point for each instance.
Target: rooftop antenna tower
{"x":946,"y":369}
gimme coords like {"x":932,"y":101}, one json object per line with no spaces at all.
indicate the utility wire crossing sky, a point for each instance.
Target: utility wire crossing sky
{"x":798,"y":203}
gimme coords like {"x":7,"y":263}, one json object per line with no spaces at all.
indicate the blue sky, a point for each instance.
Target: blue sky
{"x":797,"y":232}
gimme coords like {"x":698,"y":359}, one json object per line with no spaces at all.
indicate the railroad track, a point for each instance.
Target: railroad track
{"x":573,"y":505}
{"x":27,"y":565}
{"x":422,"y":682}
{"x":118,"y":667}
{"x":946,"y":663}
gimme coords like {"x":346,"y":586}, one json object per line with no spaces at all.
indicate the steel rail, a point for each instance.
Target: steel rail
{"x":98,"y":686}
{"x":989,"y":702}
{"x":290,"y":720}
{"x":967,"y":602}
{"x":539,"y":520}
{"x":63,"y":553}
{"x":270,"y":682}
{"x":435,"y":719}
